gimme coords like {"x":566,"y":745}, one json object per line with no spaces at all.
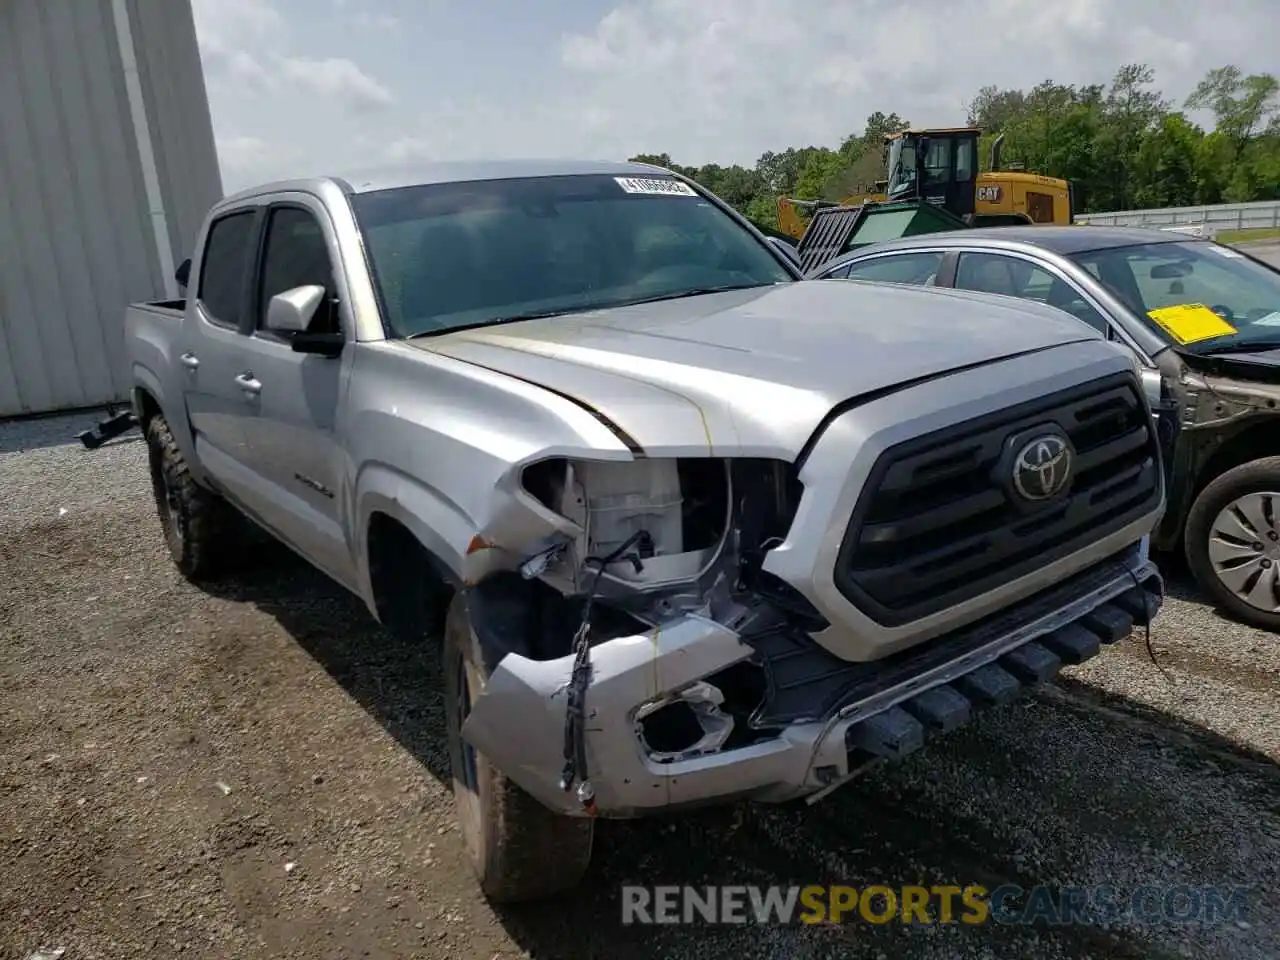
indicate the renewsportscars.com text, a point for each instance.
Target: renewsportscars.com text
{"x":971,"y":904}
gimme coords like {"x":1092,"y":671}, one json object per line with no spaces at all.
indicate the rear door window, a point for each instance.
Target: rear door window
{"x":912,"y":268}
{"x":1016,"y":277}
{"x":224,"y":271}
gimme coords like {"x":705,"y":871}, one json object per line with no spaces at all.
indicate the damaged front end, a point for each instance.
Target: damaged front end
{"x":704,"y":682}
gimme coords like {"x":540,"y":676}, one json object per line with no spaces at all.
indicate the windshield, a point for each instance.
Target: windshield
{"x":1194,"y":293}
{"x":902,"y":166}
{"x":452,"y":255}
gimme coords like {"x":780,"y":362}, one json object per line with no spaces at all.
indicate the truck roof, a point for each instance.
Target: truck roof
{"x":454,"y":171}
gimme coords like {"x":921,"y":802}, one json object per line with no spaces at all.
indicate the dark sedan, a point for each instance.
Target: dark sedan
{"x":1204,"y":322}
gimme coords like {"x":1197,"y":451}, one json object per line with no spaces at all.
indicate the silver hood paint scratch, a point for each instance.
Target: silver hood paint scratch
{"x":753,"y":372}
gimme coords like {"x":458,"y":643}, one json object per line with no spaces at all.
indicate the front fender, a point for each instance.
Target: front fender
{"x":442,"y":527}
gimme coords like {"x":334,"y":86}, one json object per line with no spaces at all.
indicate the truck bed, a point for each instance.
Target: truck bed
{"x":161,"y":306}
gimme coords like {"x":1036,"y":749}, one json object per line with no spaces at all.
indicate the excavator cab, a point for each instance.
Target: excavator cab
{"x":934,"y":166}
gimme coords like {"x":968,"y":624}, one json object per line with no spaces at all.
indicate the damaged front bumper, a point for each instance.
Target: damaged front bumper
{"x":820,"y":718}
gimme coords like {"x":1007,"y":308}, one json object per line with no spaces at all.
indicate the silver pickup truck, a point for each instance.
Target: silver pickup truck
{"x":695,"y":530}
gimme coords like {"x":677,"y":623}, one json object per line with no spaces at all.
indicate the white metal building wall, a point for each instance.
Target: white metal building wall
{"x":107,"y":165}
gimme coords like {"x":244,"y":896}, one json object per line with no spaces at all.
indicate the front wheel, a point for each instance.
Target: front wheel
{"x":519,"y":849}
{"x":1232,"y":542}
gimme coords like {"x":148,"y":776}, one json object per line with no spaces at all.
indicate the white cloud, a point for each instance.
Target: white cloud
{"x":376,"y":21}
{"x":244,"y":49}
{"x":728,"y":79}
{"x":348,"y":84}
{"x":334,"y":77}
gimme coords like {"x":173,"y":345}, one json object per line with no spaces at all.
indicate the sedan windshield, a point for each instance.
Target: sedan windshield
{"x":452,"y":255}
{"x":1209,"y":297}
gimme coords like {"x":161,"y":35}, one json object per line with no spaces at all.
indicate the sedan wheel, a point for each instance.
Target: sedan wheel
{"x":1233,"y":542}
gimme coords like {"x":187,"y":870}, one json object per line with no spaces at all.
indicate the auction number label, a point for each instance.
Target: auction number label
{"x":661,"y":188}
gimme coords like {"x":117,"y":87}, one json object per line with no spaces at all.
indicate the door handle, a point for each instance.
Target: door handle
{"x":248,"y":384}
{"x":190,"y":361}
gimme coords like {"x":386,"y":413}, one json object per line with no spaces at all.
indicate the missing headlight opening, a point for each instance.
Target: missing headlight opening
{"x":682,"y":504}
{"x":688,"y":507}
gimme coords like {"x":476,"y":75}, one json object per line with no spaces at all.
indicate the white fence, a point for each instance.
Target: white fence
{"x":1204,"y":221}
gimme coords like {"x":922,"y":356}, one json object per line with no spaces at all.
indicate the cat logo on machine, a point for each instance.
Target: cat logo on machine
{"x":989,"y":194}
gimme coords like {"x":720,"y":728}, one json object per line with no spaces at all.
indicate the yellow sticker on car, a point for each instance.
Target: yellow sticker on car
{"x":1189,"y":322}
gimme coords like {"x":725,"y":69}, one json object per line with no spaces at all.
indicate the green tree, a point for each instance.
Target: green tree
{"x":1118,"y":143}
{"x":1242,"y":106}
{"x":1165,"y":168}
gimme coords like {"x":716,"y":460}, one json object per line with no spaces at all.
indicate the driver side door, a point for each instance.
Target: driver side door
{"x":292,"y":434}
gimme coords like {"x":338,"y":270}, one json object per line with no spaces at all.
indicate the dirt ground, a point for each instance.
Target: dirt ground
{"x":256,"y":770}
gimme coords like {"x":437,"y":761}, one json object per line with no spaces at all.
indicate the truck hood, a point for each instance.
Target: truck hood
{"x":753,"y":372}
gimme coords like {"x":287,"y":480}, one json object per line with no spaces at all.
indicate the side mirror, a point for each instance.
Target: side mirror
{"x":183,"y":273}
{"x":293,"y":310}
{"x":787,"y":249}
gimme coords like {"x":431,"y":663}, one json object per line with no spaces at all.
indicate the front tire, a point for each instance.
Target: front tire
{"x":199,"y":526}
{"x":1232,"y":542}
{"x":519,"y":849}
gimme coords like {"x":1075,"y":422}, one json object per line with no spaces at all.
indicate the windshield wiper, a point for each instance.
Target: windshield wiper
{"x":543,"y":314}
{"x":682,"y":294}
{"x":1248,"y":346}
{"x":514,"y":318}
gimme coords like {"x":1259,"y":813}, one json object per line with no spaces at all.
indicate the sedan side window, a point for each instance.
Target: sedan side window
{"x":839,"y":273}
{"x":297,"y":255}
{"x":1015,"y":277}
{"x":914,"y":268}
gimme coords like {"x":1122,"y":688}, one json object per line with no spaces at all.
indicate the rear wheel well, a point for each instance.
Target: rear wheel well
{"x":148,"y":407}
{"x":411,"y":587}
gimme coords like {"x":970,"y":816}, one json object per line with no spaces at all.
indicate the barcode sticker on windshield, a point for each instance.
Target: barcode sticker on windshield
{"x":1270,"y":320}
{"x":661,"y":188}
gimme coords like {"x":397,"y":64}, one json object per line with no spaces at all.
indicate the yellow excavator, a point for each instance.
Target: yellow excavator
{"x":940,"y":167}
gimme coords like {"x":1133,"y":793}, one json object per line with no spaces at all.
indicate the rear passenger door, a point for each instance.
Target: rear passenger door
{"x":299,"y":470}
{"x":211,"y":348}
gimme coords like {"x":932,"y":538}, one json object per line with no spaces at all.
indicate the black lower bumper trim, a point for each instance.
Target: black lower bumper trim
{"x":897,"y":731}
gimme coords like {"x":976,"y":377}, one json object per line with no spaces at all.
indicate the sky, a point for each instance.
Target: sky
{"x":300,"y":87}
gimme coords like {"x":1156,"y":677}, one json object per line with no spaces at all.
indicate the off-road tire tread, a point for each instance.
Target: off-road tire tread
{"x":1254,"y":475}
{"x":531,"y":852}
{"x":210,"y":523}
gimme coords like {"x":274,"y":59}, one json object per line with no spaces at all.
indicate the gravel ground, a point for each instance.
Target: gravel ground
{"x":257,"y":770}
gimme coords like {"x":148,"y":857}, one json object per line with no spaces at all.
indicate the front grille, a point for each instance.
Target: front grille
{"x":939,"y":521}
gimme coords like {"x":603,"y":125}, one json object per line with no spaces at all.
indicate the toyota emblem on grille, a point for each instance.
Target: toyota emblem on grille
{"x":1042,"y":467}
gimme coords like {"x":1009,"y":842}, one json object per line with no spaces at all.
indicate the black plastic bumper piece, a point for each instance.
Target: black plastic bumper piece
{"x":941,"y":709}
{"x":1075,"y":643}
{"x":892,"y":734}
{"x":901,"y":729}
{"x":1032,"y":663}
{"x":989,"y":686}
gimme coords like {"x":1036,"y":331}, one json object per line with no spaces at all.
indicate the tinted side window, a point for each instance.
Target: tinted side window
{"x":295,"y":256}
{"x":839,"y":273}
{"x":1014,"y":277}
{"x":223,"y":273}
{"x":916,"y":268}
